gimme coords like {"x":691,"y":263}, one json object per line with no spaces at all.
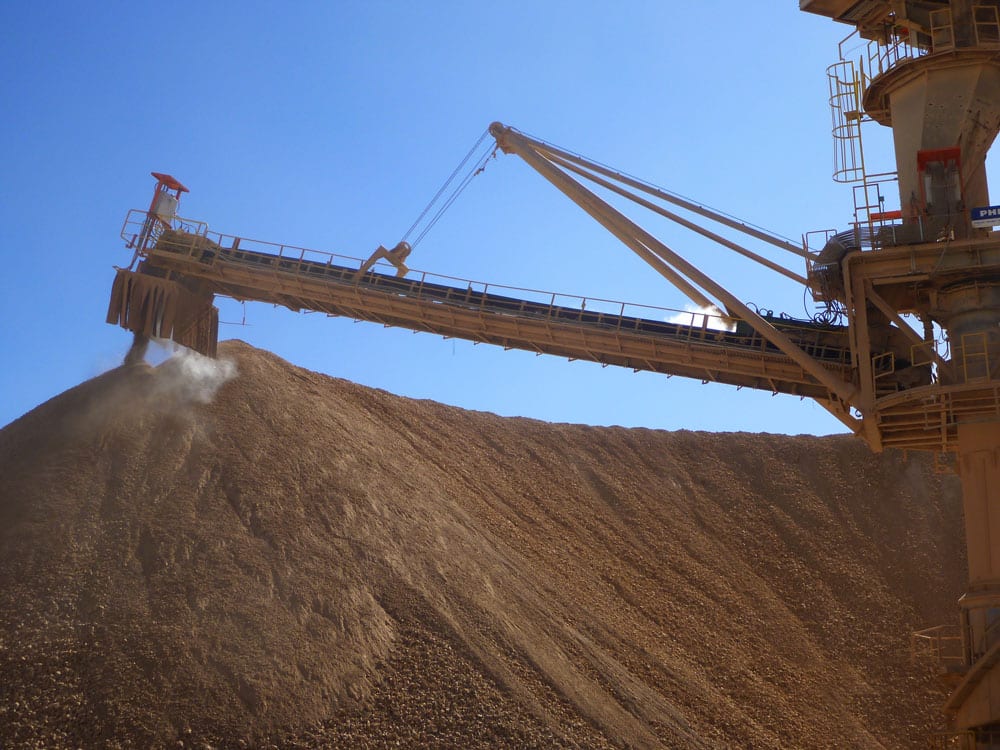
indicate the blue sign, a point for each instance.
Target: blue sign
{"x":986,"y":217}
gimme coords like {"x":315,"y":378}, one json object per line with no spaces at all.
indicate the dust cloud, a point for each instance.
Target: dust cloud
{"x":195,"y":378}
{"x":709,"y":317}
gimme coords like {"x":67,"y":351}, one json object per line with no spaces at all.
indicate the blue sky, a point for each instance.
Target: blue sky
{"x":330,"y":126}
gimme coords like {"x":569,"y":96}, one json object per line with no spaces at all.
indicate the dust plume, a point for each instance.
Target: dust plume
{"x":709,"y":317}
{"x":194,"y":378}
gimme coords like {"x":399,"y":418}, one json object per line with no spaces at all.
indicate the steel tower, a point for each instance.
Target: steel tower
{"x":930,"y":71}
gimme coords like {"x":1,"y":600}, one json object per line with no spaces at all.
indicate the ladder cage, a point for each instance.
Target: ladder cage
{"x":847,"y":114}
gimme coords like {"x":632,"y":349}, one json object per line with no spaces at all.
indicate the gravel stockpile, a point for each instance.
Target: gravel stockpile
{"x":198,"y":556}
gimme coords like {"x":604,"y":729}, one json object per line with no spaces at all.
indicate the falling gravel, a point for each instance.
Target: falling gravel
{"x":296,"y":561}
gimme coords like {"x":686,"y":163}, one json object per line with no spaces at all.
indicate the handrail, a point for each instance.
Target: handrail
{"x":963,"y":739}
{"x":827,"y":344}
{"x":618,"y":308}
{"x":941,"y":644}
{"x":896,"y":50}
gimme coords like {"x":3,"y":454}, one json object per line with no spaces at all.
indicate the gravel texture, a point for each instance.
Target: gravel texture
{"x":248,"y":554}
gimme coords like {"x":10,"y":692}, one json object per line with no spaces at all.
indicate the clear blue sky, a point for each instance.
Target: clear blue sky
{"x":331,"y":124}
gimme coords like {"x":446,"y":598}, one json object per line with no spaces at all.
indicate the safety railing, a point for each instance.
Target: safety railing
{"x":928,"y":352}
{"x":884,"y":368}
{"x":141,"y":229}
{"x":882,"y":229}
{"x":972,"y":360}
{"x":280,"y":261}
{"x":892,"y":373}
{"x":980,"y":739}
{"x":901,"y":43}
{"x":953,"y":741}
{"x":976,"y":357}
{"x":820,"y":273}
{"x":975,"y":360}
{"x":941,"y":647}
{"x":815,"y":240}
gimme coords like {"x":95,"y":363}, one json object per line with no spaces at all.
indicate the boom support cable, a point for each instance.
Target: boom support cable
{"x":683,"y":274}
{"x":718,"y":239}
{"x":478,"y":166}
{"x":734,"y":222}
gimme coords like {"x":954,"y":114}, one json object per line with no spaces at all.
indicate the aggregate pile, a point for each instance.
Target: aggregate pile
{"x":196,"y":556}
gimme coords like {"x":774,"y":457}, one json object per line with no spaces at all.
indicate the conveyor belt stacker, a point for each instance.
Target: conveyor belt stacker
{"x":906,"y":355}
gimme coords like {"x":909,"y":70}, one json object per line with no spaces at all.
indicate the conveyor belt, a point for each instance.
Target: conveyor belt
{"x":814,"y":337}
{"x":740,"y":357}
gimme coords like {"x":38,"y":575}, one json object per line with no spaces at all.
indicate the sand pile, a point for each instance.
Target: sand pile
{"x":306,"y":562}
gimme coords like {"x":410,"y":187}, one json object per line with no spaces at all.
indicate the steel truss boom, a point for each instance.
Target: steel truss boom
{"x":169,"y":294}
{"x":556,"y":153}
{"x":676,"y":269}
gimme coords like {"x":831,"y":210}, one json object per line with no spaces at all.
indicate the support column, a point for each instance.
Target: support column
{"x":977,"y":703}
{"x":979,"y":466}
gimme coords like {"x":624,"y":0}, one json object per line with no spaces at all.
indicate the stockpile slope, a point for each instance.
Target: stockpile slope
{"x":311,"y":563}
